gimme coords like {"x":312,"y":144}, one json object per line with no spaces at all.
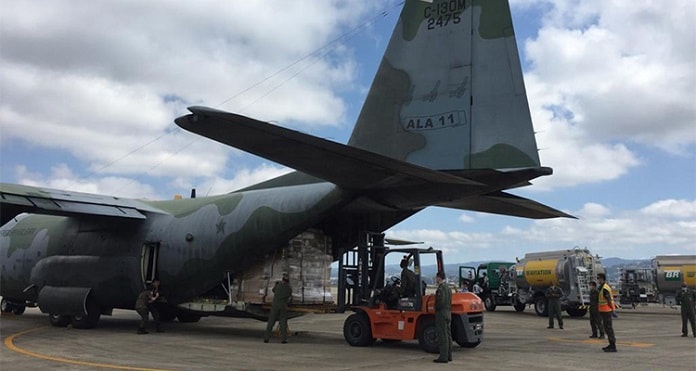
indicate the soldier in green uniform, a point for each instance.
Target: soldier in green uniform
{"x":408,"y":279}
{"x":443,"y":318}
{"x":595,"y":319}
{"x":687,"y":297}
{"x":144,"y":304}
{"x":282,"y":294}
{"x":554,"y":295}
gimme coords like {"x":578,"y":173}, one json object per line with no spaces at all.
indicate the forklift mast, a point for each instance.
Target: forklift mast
{"x":361,"y":272}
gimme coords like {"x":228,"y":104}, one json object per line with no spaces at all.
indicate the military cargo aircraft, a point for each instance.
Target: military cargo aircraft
{"x":446,"y":123}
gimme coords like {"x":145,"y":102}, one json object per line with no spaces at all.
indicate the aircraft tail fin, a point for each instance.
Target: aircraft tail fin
{"x":449,"y":93}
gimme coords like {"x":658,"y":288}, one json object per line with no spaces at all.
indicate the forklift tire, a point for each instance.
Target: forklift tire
{"x":427,"y":335}
{"x":357,"y":330}
{"x":459,"y":335}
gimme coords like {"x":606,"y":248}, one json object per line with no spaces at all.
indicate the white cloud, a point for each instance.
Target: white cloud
{"x":671,"y":209}
{"x":62,"y":177}
{"x":663,"y":227}
{"x":101,"y":80}
{"x":607,"y":75}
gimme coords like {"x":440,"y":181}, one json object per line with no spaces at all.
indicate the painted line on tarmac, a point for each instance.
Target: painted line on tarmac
{"x":602,"y":341}
{"x":9,"y":343}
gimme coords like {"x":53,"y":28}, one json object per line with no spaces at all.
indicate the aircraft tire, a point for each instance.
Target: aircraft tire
{"x":6,"y":306}
{"x":427,"y":335}
{"x":58,"y":320}
{"x":357,"y":330}
{"x":18,"y":309}
{"x":90,"y":320}
{"x":167,"y":313}
{"x":188,"y":317}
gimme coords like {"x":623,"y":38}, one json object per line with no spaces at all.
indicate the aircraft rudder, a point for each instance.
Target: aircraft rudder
{"x":449,"y":94}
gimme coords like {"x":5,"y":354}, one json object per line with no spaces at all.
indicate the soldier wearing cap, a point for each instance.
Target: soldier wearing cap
{"x":282,"y":294}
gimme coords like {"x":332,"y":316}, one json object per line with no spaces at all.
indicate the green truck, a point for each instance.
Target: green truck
{"x":496,"y":281}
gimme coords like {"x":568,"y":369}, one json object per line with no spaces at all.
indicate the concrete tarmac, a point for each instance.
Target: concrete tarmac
{"x":648,"y":338}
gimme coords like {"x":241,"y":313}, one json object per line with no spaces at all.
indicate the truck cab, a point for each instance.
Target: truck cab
{"x":496,"y":281}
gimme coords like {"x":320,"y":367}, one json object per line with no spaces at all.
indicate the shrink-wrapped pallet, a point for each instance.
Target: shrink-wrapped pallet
{"x":307,"y":262}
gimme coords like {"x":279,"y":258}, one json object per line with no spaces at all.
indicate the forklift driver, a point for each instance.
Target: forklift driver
{"x":408,"y":279}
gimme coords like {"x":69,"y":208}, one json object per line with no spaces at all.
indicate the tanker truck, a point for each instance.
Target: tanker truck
{"x":670,"y":271}
{"x":571,"y":270}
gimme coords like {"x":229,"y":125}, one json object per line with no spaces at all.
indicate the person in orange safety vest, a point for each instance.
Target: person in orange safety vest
{"x":606,"y":308}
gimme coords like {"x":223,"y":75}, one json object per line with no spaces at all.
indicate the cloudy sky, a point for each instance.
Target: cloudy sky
{"x":89,"y":91}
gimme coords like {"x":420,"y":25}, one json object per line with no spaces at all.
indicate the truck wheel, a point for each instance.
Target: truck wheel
{"x":427,"y":335}
{"x":540,"y":306}
{"x":519,"y":307}
{"x":357,"y":330}
{"x":58,"y":320}
{"x":576,"y":312}
{"x":489,"y":302}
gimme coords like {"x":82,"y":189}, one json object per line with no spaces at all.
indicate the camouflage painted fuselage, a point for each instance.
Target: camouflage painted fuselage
{"x":199,"y":240}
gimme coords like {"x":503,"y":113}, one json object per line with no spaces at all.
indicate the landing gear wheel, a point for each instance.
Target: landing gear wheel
{"x":6,"y":306}
{"x":58,"y":320}
{"x":357,"y":330}
{"x":166,"y":313}
{"x":18,"y":309}
{"x":427,"y":335}
{"x":188,"y":317}
{"x":89,"y":320}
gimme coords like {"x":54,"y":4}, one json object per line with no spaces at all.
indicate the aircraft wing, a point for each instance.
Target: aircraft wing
{"x":506,"y":204}
{"x":16,"y":199}
{"x":337,"y":163}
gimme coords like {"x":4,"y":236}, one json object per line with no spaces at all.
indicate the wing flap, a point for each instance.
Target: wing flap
{"x":15,"y":199}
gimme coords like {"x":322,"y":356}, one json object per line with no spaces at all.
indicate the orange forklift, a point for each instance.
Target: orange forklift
{"x":386,"y":311}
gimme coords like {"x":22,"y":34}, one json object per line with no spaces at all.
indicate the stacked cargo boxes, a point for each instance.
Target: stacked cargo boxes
{"x":307,"y":262}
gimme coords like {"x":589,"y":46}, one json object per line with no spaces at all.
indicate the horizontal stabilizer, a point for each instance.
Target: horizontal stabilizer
{"x":16,"y":199}
{"x":337,"y":163}
{"x":507,"y":204}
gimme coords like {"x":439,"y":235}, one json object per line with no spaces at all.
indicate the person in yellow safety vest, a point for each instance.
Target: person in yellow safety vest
{"x":606,"y":308}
